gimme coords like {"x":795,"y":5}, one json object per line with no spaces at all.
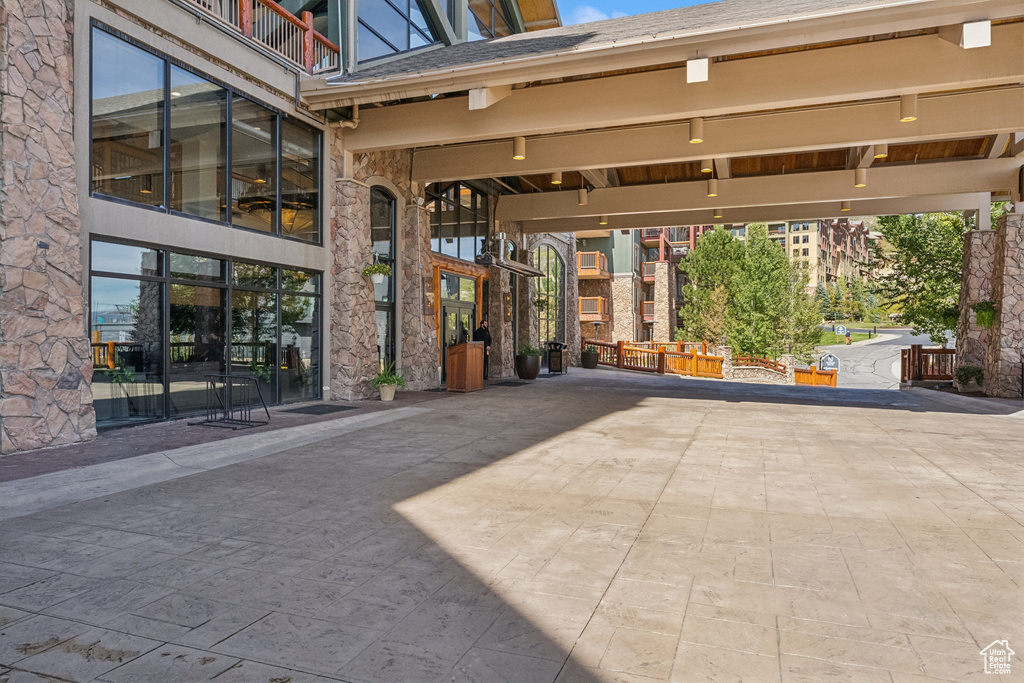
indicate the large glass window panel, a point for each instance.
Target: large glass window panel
{"x":385,"y":337}
{"x":122,"y":258}
{"x":126,"y":326}
{"x":387,"y":22}
{"x":300,"y":354}
{"x":254,"y":339}
{"x":300,"y":281}
{"x":390,"y":26}
{"x":369,"y":45}
{"x":300,"y":181}
{"x":127,"y":121}
{"x":201,"y":268}
{"x":550,"y":292}
{"x":448,"y":242}
{"x":253,"y":166}
{"x":253,"y":275}
{"x":198,"y":146}
{"x":197,"y":344}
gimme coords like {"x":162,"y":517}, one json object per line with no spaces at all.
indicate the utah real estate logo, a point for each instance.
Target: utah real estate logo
{"x":997,"y":657}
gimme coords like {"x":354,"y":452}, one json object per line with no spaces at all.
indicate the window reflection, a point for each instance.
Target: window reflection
{"x":550,"y":301}
{"x":198,"y":146}
{"x":122,"y":258}
{"x":127,"y":121}
{"x":390,"y":26}
{"x":300,"y":181}
{"x":253,"y":165}
{"x":458,"y":220}
{"x":192,"y":267}
{"x":254,"y":338}
{"x":382,"y":236}
{"x":300,"y":353}
{"x":197,"y":345}
{"x":487,"y":19}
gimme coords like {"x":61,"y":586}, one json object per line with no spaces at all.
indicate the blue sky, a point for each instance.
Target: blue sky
{"x":582,"y":11}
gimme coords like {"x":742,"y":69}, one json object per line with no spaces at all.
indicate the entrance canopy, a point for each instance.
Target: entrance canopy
{"x":727,"y":112}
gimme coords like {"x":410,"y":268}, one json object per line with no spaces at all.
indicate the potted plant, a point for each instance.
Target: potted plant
{"x":528,"y":361}
{"x":589,"y":357}
{"x":969,"y":378}
{"x":984,"y":313}
{"x":377,"y":272}
{"x":541,"y":304}
{"x":388,"y":381}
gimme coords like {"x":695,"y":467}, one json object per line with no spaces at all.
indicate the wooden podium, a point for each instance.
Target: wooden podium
{"x":465,"y":371}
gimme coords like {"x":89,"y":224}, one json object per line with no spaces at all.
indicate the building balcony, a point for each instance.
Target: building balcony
{"x":648,"y":307}
{"x":650,"y":237}
{"x":267,"y":23}
{"x":591,"y":265}
{"x":648,"y":271}
{"x":594,"y":309}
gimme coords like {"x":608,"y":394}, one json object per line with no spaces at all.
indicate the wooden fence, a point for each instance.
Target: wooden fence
{"x":665,"y":359}
{"x":814,"y":377}
{"x":919,"y":364}
{"x":758,"y":362}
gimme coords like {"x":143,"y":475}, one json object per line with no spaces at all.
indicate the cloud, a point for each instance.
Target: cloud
{"x":584,"y":14}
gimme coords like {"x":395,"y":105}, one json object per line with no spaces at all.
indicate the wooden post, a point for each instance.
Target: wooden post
{"x":110,"y":355}
{"x":915,"y":362}
{"x":703,"y":348}
{"x":661,"y":360}
{"x":620,"y":356}
{"x":814,"y":375}
{"x":307,"y":42}
{"x":245,"y":17}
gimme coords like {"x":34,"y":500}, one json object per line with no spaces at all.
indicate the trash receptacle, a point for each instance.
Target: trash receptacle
{"x":556,"y":358}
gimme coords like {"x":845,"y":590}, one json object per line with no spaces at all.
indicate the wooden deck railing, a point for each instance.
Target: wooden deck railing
{"x":758,"y":362}
{"x":662,"y":360}
{"x":112,"y":354}
{"x":814,"y":377}
{"x":592,"y":261}
{"x":648,"y":270}
{"x":648,"y":307}
{"x":274,"y":27}
{"x":919,"y":364}
{"x":594,"y":308}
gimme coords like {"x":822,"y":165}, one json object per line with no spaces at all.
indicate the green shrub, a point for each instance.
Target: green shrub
{"x":984,"y":313}
{"x":590,"y":349}
{"x":965,"y":374}
{"x":387,"y":377}
{"x":528,"y":350}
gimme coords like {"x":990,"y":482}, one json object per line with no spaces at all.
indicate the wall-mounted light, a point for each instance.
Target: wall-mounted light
{"x":603,"y":220}
{"x":261,"y":173}
{"x":713,"y":187}
{"x":696,"y":130}
{"x":881,"y":150}
{"x":581,"y":196}
{"x":718,"y":213}
{"x":706,"y":166}
{"x":556,"y":178}
{"x":518,"y":148}
{"x":908,"y":108}
{"x":147,"y":185}
{"x":844,"y":206}
{"x":860,"y":177}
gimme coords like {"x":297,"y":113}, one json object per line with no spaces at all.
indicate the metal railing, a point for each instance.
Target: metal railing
{"x":274,"y":27}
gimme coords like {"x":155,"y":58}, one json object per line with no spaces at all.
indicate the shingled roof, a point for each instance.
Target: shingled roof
{"x":726,"y":14}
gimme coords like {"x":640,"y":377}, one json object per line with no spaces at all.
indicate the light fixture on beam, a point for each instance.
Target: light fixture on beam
{"x":147,"y":185}
{"x":581,"y":196}
{"x":718,"y":213}
{"x":706,"y":166}
{"x":881,"y":150}
{"x":973,"y":34}
{"x":860,"y":177}
{"x":844,"y":206}
{"x":713,"y":187}
{"x":696,"y":130}
{"x":908,"y":108}
{"x":518,"y":148}
{"x":556,"y":178}
{"x":603,"y":220}
{"x":697,"y":70}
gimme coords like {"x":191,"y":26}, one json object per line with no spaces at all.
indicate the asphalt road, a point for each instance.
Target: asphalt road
{"x":874,"y":364}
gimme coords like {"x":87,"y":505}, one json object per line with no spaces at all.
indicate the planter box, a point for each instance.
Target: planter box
{"x":527,"y":367}
{"x":387,"y":392}
{"x":589,"y":359}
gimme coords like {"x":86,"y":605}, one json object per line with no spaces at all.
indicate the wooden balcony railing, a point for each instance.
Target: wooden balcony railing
{"x":659,"y":360}
{"x":648,"y":307}
{"x":594,"y":309}
{"x":591,"y":265}
{"x":918,"y":364}
{"x":814,"y":377}
{"x":274,"y":27}
{"x":648,"y":270}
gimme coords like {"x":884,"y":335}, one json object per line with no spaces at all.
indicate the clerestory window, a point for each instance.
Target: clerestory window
{"x":391,"y":26}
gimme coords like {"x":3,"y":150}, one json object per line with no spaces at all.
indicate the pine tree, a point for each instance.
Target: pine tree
{"x":824,"y":305}
{"x":710,"y":270}
{"x":761,"y":295}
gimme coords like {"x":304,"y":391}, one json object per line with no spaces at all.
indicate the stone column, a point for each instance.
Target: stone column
{"x":623,"y":324}
{"x":1006,"y":338}
{"x":573,"y":331}
{"x":45,"y":356}
{"x":353,"y":340}
{"x":416,"y":278}
{"x":662,"y":302}
{"x":726,"y":353}
{"x":790,"y":363}
{"x":975,"y":286}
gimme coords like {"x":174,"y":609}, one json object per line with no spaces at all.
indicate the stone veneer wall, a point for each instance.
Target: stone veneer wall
{"x":1006,"y":338}
{"x":565,"y":245}
{"x":663,"y":302}
{"x":623,"y":325}
{"x":45,"y":356}
{"x":596,"y":288}
{"x":976,"y":285}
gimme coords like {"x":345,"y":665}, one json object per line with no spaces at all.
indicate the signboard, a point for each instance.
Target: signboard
{"x":829,"y":362}
{"x":840,"y":330}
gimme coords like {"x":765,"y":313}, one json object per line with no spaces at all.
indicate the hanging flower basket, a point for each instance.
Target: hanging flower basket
{"x":984,"y":313}
{"x":377,"y":272}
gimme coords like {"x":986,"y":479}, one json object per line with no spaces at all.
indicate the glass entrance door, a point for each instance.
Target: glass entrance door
{"x":459,"y":321}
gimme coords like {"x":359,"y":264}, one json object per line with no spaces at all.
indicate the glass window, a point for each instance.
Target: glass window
{"x":459,"y":220}
{"x":487,"y":19}
{"x":254,"y":338}
{"x":300,"y":181}
{"x":253,"y":275}
{"x":198,"y":146}
{"x":122,"y":258}
{"x":126,"y":326}
{"x":382,"y":236}
{"x":300,"y":354}
{"x":198,"y":344}
{"x":300,"y":281}
{"x":390,"y":26}
{"x":192,"y":267}
{"x":253,"y":165}
{"x":550,"y":301}
{"x":127,"y":121}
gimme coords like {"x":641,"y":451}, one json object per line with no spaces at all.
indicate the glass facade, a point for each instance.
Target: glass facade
{"x":488,"y":19}
{"x":382,"y":236}
{"x":458,"y":220}
{"x":550,"y":301}
{"x":390,"y":26}
{"x":269,"y":182}
{"x":161,"y":321}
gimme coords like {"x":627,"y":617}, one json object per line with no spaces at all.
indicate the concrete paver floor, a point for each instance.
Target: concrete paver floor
{"x":594,"y":527}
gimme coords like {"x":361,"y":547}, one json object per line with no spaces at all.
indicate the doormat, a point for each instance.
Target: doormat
{"x":551,"y":374}
{"x":509,"y":384}
{"x":319,"y":409}
{"x":437,"y":389}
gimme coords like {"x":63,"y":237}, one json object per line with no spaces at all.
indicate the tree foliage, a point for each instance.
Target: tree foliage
{"x":920,"y":269}
{"x":710,"y":270}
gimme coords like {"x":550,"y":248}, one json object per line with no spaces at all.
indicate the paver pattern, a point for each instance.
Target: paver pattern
{"x":600,"y":526}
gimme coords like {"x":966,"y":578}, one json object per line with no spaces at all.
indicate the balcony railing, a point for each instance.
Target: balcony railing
{"x":650,"y":235}
{"x":274,"y":27}
{"x":648,"y":270}
{"x":648,"y":310}
{"x":594,"y":309}
{"x":591,"y":265}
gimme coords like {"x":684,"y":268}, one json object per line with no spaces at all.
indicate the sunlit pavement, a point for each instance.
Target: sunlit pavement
{"x":597,"y":526}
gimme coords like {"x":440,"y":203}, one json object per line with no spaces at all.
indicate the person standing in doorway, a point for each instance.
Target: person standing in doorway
{"x":483,"y":335}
